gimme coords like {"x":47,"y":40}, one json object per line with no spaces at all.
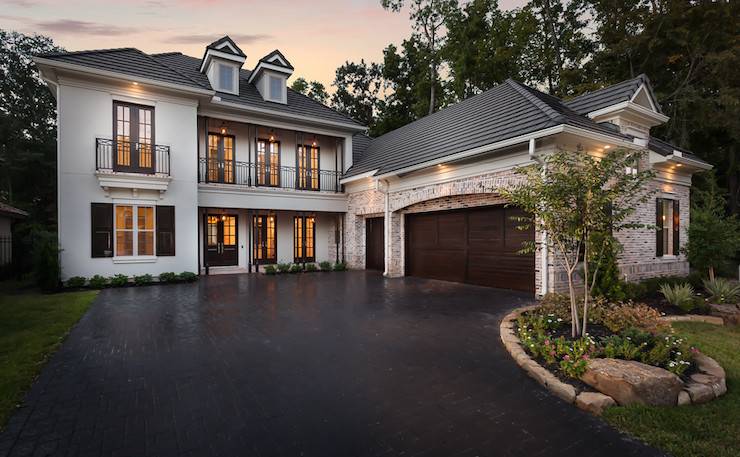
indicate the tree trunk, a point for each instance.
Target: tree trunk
{"x":586,"y":288}
{"x":711,"y":273}
{"x":433,"y":89}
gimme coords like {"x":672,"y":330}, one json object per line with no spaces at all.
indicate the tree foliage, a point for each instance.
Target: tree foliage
{"x":27,"y":128}
{"x":311,"y":89}
{"x":578,"y":199}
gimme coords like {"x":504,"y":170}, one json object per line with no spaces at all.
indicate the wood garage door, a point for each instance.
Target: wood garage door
{"x":476,"y":246}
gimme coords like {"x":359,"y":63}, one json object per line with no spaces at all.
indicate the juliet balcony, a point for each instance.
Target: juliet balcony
{"x":132,"y":165}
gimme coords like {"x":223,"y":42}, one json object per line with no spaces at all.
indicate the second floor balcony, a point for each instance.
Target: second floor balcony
{"x":131,"y":157}
{"x":267,"y":175}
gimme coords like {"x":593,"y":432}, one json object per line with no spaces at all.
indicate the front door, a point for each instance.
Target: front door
{"x":221,"y":240}
{"x":375,"y":243}
{"x":265,"y":241}
{"x":220,"y":158}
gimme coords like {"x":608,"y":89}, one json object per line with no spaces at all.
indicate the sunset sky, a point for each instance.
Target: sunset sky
{"x":316,"y":36}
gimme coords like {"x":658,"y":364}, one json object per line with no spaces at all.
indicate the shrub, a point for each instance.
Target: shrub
{"x":721,"y":290}
{"x":609,"y":283}
{"x":98,"y":282}
{"x":340,"y":266}
{"x":311,"y":267}
{"x":168,"y":276}
{"x":270,"y":270}
{"x":296,"y":268}
{"x":679,"y":295}
{"x":325,"y":266}
{"x":76,"y":282}
{"x":45,"y":255}
{"x":557,"y":305}
{"x":188,"y":276}
{"x":119,"y":280}
{"x":143,"y":280}
{"x":638,"y":315}
{"x":283,"y":267}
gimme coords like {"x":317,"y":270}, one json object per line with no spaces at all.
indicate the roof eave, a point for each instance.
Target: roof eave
{"x":118,"y":75}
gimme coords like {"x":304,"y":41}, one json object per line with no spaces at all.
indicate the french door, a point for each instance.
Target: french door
{"x":133,"y":133}
{"x":268,"y":163}
{"x":307,"y":167}
{"x":221,"y":240}
{"x":265,"y":240}
{"x":221,"y":158}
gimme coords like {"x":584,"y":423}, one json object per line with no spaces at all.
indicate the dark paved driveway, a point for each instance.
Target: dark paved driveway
{"x":335,"y":364}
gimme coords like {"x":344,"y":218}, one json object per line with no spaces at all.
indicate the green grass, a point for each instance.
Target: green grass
{"x":694,"y":430}
{"x":32,"y":326}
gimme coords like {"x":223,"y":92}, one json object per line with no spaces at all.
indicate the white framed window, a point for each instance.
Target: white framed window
{"x":667,"y":222}
{"x":226,"y":78}
{"x":275,"y":88}
{"x":134,"y":231}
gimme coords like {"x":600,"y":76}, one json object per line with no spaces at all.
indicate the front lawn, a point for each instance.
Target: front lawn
{"x":709,"y":429}
{"x":32,"y":326}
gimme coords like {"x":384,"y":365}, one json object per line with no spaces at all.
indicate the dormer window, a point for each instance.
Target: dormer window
{"x":226,"y":78}
{"x":276,"y":88}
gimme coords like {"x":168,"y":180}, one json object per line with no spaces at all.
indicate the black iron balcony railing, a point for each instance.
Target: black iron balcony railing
{"x":250,"y":174}
{"x":131,"y":157}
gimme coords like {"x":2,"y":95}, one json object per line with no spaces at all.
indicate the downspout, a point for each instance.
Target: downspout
{"x":544,"y":261}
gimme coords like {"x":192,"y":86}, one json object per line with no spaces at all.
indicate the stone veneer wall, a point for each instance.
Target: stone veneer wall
{"x":637,"y":261}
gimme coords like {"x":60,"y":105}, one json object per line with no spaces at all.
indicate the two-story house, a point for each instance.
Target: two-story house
{"x":172,"y":163}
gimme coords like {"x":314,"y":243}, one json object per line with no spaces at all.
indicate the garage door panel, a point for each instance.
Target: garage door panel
{"x":477,"y":246}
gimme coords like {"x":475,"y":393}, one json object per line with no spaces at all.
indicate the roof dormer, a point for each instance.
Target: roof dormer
{"x":270,"y":77}
{"x":221,"y":63}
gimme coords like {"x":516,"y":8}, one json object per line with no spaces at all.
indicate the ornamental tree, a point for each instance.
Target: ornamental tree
{"x":580,"y":201}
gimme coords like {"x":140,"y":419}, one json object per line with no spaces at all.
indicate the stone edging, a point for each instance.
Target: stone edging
{"x":694,"y":318}
{"x":704,"y":386}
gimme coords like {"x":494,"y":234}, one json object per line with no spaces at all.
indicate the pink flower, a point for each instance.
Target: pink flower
{"x":552,"y":353}
{"x":695,"y":350}
{"x":566,"y":357}
{"x":585,"y":356}
{"x":547,"y":342}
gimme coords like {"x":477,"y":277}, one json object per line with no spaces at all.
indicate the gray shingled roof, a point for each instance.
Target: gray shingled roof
{"x":506,"y":111}
{"x":176,"y":68}
{"x":128,"y":61}
{"x":620,"y":92}
{"x":665,"y":148}
{"x":360,"y":142}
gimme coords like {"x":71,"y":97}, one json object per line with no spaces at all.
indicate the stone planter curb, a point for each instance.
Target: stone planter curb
{"x":704,"y":386}
{"x":694,"y":318}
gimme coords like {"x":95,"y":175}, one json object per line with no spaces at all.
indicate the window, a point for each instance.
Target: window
{"x":276,"y":88}
{"x":667,"y":220}
{"x":134,"y":226}
{"x":226,"y":78}
{"x":268,"y":163}
{"x":304,"y":238}
{"x":308,"y":167}
{"x":133,"y":133}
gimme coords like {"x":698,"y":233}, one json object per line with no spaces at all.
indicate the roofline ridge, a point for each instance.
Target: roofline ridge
{"x":542,"y":106}
{"x":84,"y":51}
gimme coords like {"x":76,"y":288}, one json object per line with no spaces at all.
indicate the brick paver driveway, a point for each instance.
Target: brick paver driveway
{"x":324,"y":364}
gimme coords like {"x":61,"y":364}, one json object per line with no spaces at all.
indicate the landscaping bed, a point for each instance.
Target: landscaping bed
{"x":628,"y":355}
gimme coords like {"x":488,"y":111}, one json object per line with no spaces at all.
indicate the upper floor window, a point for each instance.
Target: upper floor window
{"x":226,"y":78}
{"x":667,"y":221}
{"x":133,"y":134}
{"x":276,"y":88}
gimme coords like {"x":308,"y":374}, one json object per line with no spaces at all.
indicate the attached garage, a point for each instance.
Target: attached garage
{"x":475,"y":246}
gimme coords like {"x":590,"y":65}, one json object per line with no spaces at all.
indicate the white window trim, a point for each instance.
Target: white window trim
{"x":668,"y":244}
{"x":283,"y":90}
{"x":134,"y":258}
{"x":234,"y":79}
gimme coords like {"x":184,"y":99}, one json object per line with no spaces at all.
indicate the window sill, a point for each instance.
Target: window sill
{"x":135,"y":259}
{"x":668,"y":257}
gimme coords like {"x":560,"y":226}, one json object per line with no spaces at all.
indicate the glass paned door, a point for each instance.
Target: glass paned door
{"x":220,"y":158}
{"x":268,"y":163}
{"x":221,"y":240}
{"x":133,"y":133}
{"x":308,"y":167}
{"x":265,"y":241}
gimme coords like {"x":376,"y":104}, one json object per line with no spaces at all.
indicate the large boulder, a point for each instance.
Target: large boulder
{"x":729,"y":313}
{"x":629,"y":382}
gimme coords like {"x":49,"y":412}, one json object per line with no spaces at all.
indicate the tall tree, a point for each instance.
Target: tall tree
{"x":482,"y":47}
{"x":428,"y":17}
{"x":357,"y":88}
{"x":311,"y":89}
{"x":27,"y":128}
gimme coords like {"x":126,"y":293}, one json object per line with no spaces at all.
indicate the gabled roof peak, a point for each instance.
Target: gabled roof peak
{"x":226,"y":44}
{"x":277,"y":58}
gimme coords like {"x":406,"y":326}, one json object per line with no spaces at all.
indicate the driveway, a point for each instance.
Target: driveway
{"x":325,"y":364}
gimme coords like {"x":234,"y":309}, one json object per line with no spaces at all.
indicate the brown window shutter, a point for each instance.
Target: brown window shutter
{"x":676,"y":226}
{"x":659,"y":227}
{"x":165,"y":230}
{"x":101,"y":222}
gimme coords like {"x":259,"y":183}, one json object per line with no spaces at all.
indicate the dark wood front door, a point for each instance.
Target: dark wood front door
{"x":476,"y":246}
{"x":221,"y":240}
{"x":265,"y":239}
{"x":374,"y":244}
